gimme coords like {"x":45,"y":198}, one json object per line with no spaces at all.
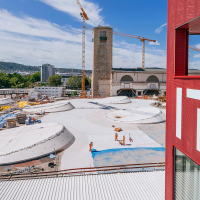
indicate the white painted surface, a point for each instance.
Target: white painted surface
{"x":50,"y":107}
{"x":5,"y":101}
{"x":178,"y":112}
{"x":120,"y":186}
{"x":193,"y":94}
{"x":198,"y":129}
{"x":137,"y":115}
{"x":114,"y":100}
{"x":32,"y":141}
{"x":87,"y":123}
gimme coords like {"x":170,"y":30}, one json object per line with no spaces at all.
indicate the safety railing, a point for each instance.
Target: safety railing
{"x":86,"y":171}
{"x":14,"y":91}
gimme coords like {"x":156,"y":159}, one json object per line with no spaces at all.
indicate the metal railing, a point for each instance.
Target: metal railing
{"x":86,"y":171}
{"x":14,"y":91}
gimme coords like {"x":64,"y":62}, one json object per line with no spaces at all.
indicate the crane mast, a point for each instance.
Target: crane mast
{"x":85,"y":17}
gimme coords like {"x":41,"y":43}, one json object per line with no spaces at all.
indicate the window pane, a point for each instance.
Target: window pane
{"x":102,"y":33}
{"x":187,"y":176}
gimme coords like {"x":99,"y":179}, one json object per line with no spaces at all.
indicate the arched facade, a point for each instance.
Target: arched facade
{"x":126,"y":78}
{"x":152,"y":79}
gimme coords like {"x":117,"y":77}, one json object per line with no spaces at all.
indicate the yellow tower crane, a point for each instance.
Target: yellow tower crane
{"x":142,"y":39}
{"x":85,"y":17}
{"x":194,"y":48}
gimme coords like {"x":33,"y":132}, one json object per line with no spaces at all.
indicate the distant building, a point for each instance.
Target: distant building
{"x":138,"y":81}
{"x":65,"y":76}
{"x":50,"y":91}
{"x":47,"y":70}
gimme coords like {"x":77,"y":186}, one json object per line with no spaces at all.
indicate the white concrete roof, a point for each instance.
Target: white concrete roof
{"x":5,"y":101}
{"x":50,"y":107}
{"x":113,"y":100}
{"x":87,"y":123}
{"x":32,"y":141}
{"x":120,"y":186}
{"x":137,"y":115}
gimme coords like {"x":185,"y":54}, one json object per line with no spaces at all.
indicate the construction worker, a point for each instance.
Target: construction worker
{"x":90,"y":147}
{"x":92,"y":144}
{"x":130,"y":139}
{"x":124,"y":140}
{"x":116,"y":137}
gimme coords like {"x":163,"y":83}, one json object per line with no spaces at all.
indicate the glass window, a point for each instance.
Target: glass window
{"x":102,"y":43}
{"x":102,"y":59}
{"x":102,"y":66}
{"x":102,"y":33}
{"x":102,"y":51}
{"x":152,"y":86}
{"x":187,"y":177}
{"x":126,"y":85}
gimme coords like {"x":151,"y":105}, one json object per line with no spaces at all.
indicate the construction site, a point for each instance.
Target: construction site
{"x":97,"y":146}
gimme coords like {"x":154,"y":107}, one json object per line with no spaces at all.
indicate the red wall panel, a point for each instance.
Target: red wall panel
{"x":180,"y":12}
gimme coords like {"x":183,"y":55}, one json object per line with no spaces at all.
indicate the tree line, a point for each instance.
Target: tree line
{"x":15,"y":80}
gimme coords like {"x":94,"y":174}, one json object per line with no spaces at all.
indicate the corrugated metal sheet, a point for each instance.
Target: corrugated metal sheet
{"x":140,"y":185}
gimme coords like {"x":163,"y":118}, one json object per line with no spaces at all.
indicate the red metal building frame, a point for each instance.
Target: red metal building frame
{"x":183,"y":19}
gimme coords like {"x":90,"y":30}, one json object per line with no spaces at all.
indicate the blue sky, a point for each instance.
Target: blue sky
{"x":34,"y":32}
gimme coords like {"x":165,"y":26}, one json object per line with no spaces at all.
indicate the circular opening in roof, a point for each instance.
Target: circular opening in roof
{"x":118,"y":117}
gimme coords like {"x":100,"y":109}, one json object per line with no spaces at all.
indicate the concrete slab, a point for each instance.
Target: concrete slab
{"x":88,"y":124}
{"x":140,"y":115}
{"x":32,"y":141}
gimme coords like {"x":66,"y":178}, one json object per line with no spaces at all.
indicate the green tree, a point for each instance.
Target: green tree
{"x":4,"y":81}
{"x":43,"y":84}
{"x":35,"y":77}
{"x":54,"y":80}
{"x":87,"y":81}
{"x":74,"y":93}
{"x":74,"y":82}
{"x":14,"y":81}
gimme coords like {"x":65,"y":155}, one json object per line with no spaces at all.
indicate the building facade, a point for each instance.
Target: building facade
{"x":102,"y":61}
{"x":182,"y":170}
{"x":47,"y":70}
{"x":136,"y":82}
{"x":66,"y":76}
{"x":50,"y":91}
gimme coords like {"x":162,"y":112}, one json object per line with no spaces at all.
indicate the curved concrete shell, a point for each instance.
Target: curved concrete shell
{"x":143,"y":115}
{"x":5,"y":101}
{"x":113,"y":100}
{"x":33,"y":141}
{"x":50,"y":107}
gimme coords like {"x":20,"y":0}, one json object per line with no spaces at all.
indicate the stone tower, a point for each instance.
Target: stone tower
{"x":102,"y":61}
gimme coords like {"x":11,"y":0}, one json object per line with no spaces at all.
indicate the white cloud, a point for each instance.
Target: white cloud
{"x":194,"y":65}
{"x":160,"y":29}
{"x":37,"y":27}
{"x":33,"y":41}
{"x":154,"y":43}
{"x":196,"y":55}
{"x":132,"y":56}
{"x":72,"y":8}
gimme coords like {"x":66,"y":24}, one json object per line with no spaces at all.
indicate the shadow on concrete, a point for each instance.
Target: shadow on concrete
{"x":103,"y":106}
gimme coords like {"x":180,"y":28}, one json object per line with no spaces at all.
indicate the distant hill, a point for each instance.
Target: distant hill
{"x":14,"y":67}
